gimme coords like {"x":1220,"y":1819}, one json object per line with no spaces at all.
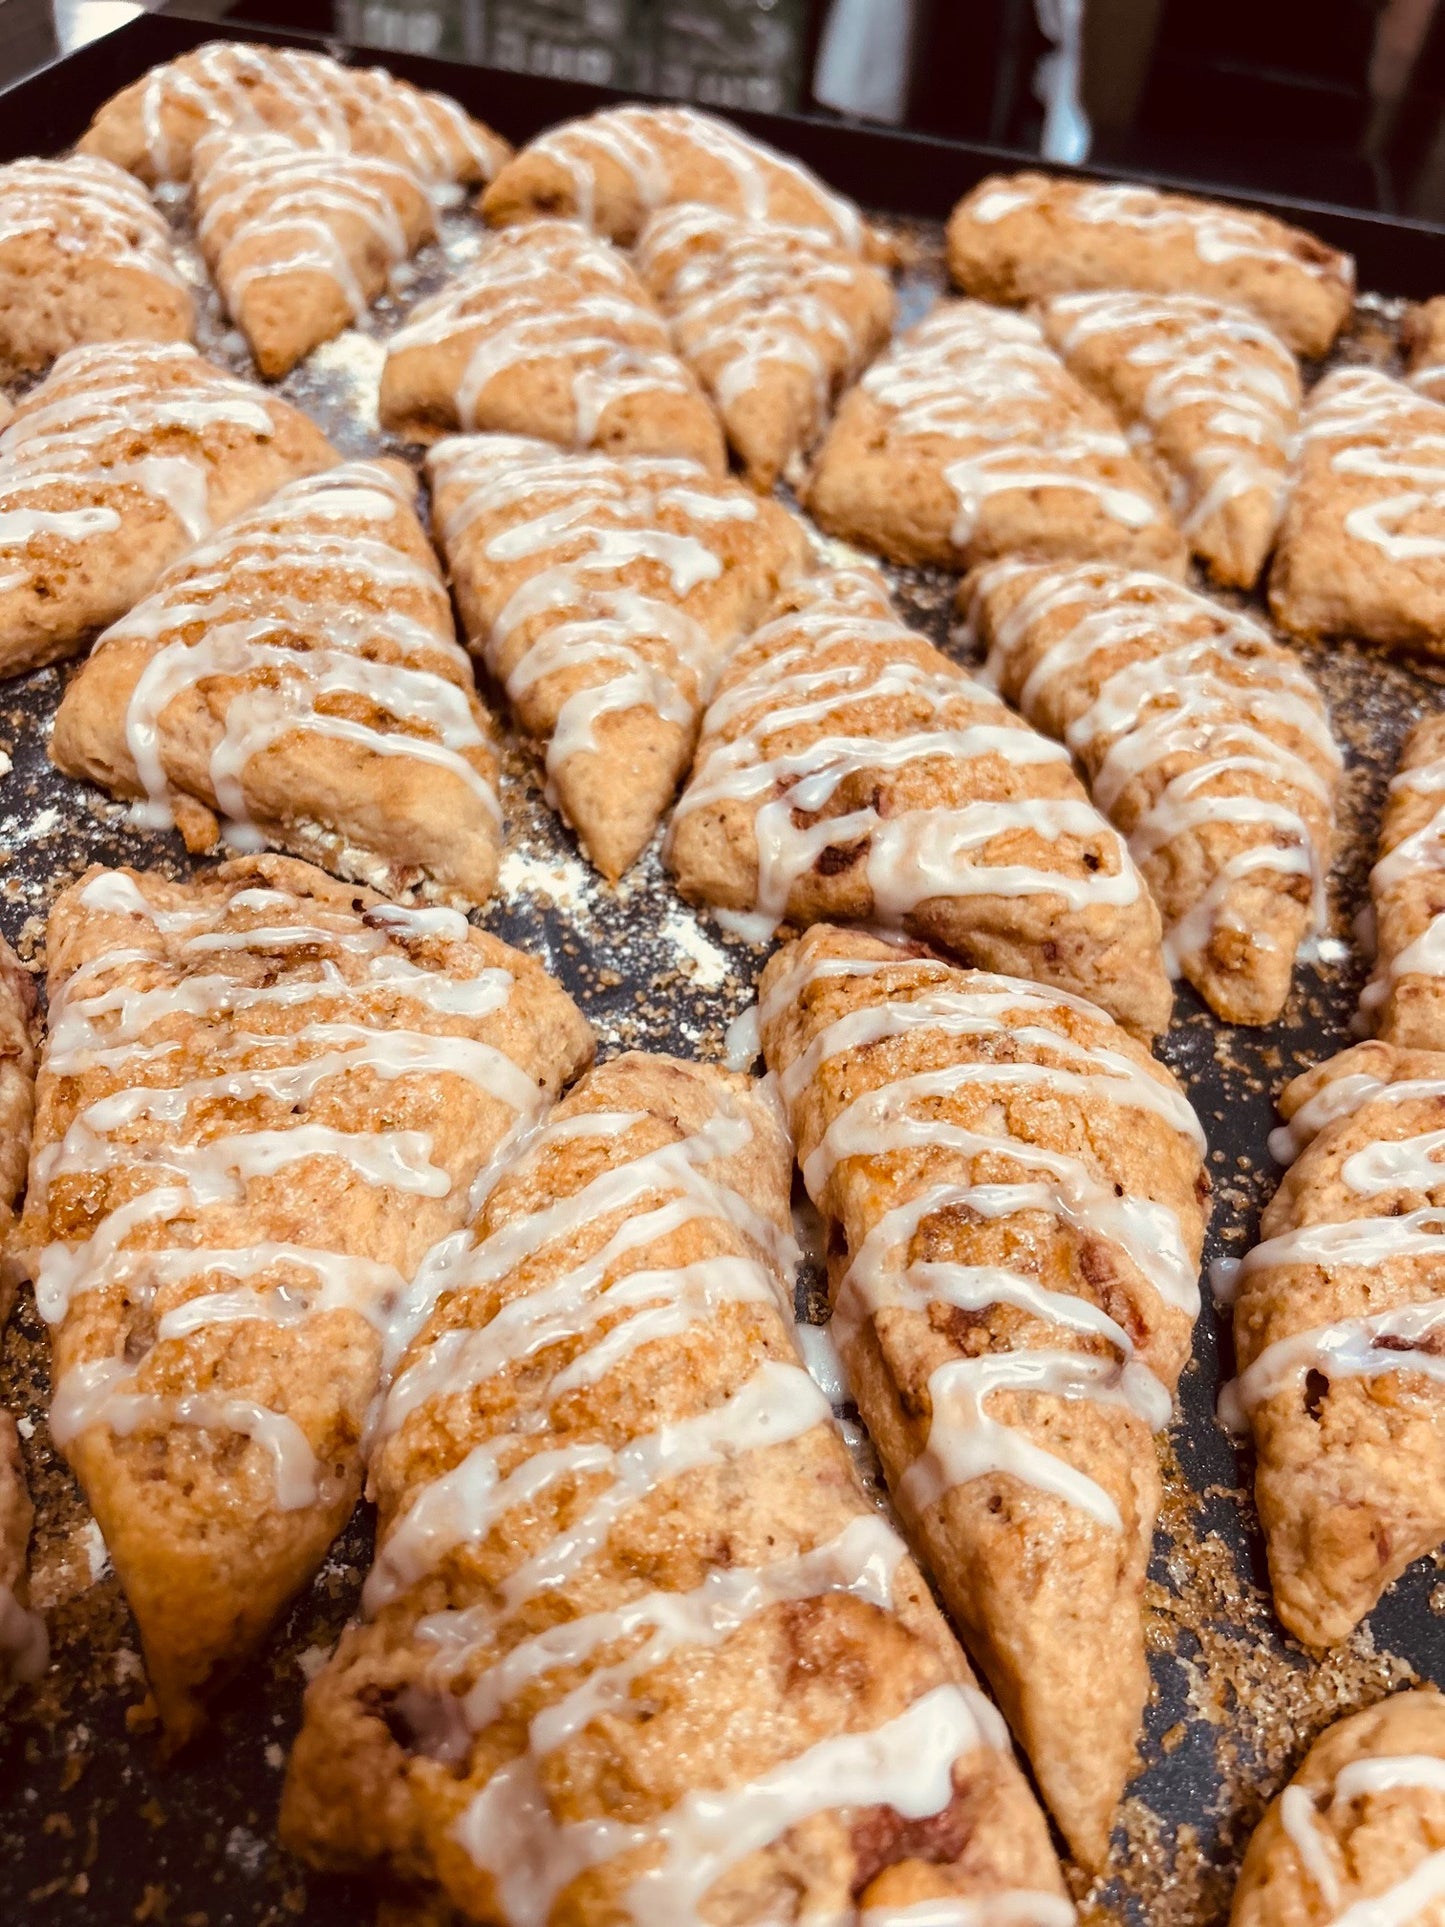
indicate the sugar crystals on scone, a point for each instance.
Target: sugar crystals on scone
{"x":297,"y":679}
{"x":1021,"y":237}
{"x":969,"y":438}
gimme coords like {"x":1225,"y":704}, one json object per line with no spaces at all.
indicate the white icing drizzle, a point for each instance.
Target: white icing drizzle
{"x":1226,"y":710}
{"x":549,"y":294}
{"x":98,"y":1019}
{"x":87,"y":207}
{"x":660,"y":151}
{"x":1420,"y":854}
{"x":914,"y":854}
{"x":1392,"y":438}
{"x":1300,"y":1809}
{"x":290,"y":604}
{"x":985,"y":379}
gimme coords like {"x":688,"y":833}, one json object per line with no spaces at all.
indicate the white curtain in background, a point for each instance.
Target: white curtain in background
{"x":1067,"y":132}
{"x":863,"y":58}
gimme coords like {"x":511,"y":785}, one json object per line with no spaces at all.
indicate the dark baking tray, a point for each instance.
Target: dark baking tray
{"x":94,"y":1832}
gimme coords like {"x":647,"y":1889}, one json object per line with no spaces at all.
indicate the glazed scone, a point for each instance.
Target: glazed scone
{"x":1338,"y":1328}
{"x":24,"y":1648}
{"x":549,"y":333}
{"x":84,"y":256}
{"x":1202,"y":739}
{"x":298,"y":676}
{"x":1211,"y":398}
{"x":1023,"y":237}
{"x":120,"y":460}
{"x":1359,"y":1832}
{"x":849,"y":770}
{"x":1404,"y":1000}
{"x":603,"y":596}
{"x":1361,"y":548}
{"x":264,"y":1099}
{"x":969,"y":439}
{"x":774,"y":321}
{"x":302,"y":239}
{"x":151,"y":127}
{"x":636,"y":1644}
{"x":613,"y":169}
{"x":23,"y":1645}
{"x":1422,"y":335}
{"x":1012,"y":1190}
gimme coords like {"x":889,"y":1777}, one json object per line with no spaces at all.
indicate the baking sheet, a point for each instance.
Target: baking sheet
{"x":94,"y":1832}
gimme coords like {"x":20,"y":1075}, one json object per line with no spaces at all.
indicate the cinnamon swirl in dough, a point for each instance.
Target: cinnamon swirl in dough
{"x":298,"y":676}
{"x":849,"y":770}
{"x":1339,"y":1329}
{"x":1019,"y":237}
{"x":549,"y":333}
{"x":1206,"y":743}
{"x":1405,"y":997}
{"x":120,"y":460}
{"x":1362,"y":546}
{"x":152,"y":127}
{"x":1359,"y":1832}
{"x":264,"y":1099}
{"x":636,"y":1646}
{"x":1012,"y":1190}
{"x":603,"y":595}
{"x":302,"y":239}
{"x":774,"y":321}
{"x":1211,"y":398}
{"x":84,"y":256}
{"x":969,"y":438}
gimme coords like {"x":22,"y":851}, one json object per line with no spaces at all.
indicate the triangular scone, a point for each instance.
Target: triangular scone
{"x":550,"y":333}
{"x":120,"y":460}
{"x":1023,"y":237}
{"x":265,"y":1098}
{"x":612,"y":169}
{"x":1204,"y":741}
{"x":849,"y":770}
{"x":84,"y":256}
{"x":1361,"y":549}
{"x":301,"y":239}
{"x":1211,"y":397}
{"x":603,"y":596}
{"x":298,"y":675}
{"x":1339,"y":1327}
{"x":151,"y":127}
{"x":969,"y":438}
{"x":1404,"y":1000}
{"x":638,"y":1646}
{"x":1012,"y":1189}
{"x":1359,"y":1833}
{"x":1422,"y":335}
{"x":773,"y":320}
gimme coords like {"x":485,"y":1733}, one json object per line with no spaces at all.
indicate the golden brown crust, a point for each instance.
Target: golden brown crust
{"x":448,"y":1744}
{"x":1405,"y":998}
{"x":279,"y":676}
{"x":19,"y":1051}
{"x":343,"y":1070}
{"x":1022,"y":237}
{"x":1035,"y":1515}
{"x":1362,"y":1814}
{"x":1422,"y":336}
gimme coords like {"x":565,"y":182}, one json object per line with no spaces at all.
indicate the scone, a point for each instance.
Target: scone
{"x":1358,"y":1835}
{"x":612,"y":169}
{"x":773,"y":320}
{"x":301,"y":239}
{"x":24,"y":1649}
{"x":298,"y":677}
{"x":1022,"y":237}
{"x":84,"y":256}
{"x":264,"y":1100}
{"x":1422,"y":335}
{"x":1011,"y":1188}
{"x":1211,"y":398}
{"x":120,"y":460}
{"x":151,"y":127}
{"x":549,"y":333}
{"x":1361,"y":549}
{"x":1404,"y":1000}
{"x":636,"y":1644}
{"x":969,"y":439}
{"x":1203,"y":740}
{"x":849,"y":770}
{"x":1339,"y":1325}
{"x":603,"y":596}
